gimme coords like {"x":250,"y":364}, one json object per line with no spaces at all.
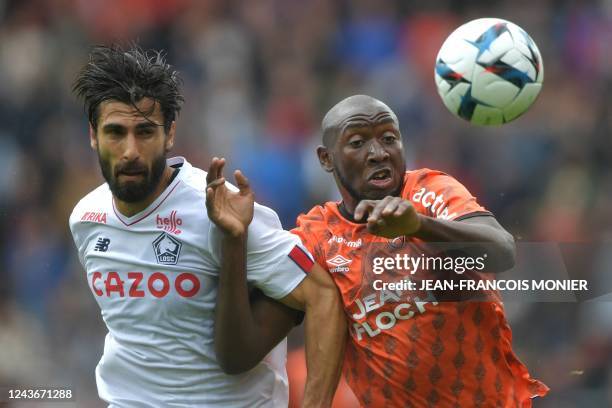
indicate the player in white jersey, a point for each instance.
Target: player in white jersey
{"x":153,"y":257}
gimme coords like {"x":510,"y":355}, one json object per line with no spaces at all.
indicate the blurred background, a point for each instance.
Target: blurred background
{"x":259,"y":75}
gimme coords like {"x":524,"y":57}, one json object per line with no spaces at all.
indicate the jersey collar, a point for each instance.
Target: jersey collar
{"x":172,"y":162}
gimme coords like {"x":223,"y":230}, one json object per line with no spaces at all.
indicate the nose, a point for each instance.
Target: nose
{"x":377,"y":153}
{"x":130,"y":149}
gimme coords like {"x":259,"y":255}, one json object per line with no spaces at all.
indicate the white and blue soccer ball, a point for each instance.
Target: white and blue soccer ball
{"x":489,"y":71}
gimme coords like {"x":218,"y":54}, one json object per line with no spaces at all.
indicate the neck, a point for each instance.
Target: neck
{"x":348,"y":204}
{"x":129,"y":209}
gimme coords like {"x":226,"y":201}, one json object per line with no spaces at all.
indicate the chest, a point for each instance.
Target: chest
{"x":149,"y":271}
{"x":359,"y":263}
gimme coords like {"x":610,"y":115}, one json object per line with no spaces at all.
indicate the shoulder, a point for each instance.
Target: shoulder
{"x":193,"y":179}
{"x":266,"y":215}
{"x":319,"y":222}
{"x":317,"y":215}
{"x":426,"y":179}
{"x":92,"y":207}
{"x":423,"y":176}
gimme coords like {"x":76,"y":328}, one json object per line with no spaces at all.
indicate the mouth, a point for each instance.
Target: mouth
{"x":381,"y":178}
{"x":131,"y":174}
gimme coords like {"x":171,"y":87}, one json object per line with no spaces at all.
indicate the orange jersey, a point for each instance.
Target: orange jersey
{"x":408,"y":349}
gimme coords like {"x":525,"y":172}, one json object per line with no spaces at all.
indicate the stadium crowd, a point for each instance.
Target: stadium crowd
{"x":258,"y":77}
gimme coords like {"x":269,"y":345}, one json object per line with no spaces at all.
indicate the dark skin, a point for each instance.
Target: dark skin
{"x":360,"y":137}
{"x":363,"y":150}
{"x":245,"y":333}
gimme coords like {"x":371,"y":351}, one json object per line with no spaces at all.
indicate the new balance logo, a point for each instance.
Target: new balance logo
{"x":102,"y":245}
{"x":339,"y":264}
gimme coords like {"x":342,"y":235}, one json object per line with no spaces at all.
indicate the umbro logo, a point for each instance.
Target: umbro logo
{"x":102,"y":245}
{"x":339,"y":263}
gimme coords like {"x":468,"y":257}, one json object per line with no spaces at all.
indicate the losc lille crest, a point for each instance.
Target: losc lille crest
{"x":167,"y":249}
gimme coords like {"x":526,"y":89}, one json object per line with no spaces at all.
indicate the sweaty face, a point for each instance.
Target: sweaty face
{"x":131,"y":148}
{"x":368,"y":156}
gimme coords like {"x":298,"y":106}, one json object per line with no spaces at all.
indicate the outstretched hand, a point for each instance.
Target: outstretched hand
{"x":390,"y":217}
{"x":231,"y":211}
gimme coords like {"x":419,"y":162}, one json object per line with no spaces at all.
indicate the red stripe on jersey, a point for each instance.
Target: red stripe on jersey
{"x":301,"y":259}
{"x":120,"y":216}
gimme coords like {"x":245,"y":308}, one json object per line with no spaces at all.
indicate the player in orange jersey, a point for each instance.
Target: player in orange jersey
{"x":408,"y":346}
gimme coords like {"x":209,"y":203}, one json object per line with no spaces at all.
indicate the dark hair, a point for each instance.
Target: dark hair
{"x":127,"y":76}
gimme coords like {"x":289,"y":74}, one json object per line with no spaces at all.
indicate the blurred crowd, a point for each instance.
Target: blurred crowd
{"x":258,"y":77}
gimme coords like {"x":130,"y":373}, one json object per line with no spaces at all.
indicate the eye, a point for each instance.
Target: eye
{"x":146,"y":132}
{"x":356,"y":142}
{"x":389,"y":138}
{"x":114,"y":133}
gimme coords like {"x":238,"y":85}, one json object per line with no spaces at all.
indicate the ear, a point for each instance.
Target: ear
{"x":170,"y":137}
{"x":93,"y":139}
{"x":325,"y":159}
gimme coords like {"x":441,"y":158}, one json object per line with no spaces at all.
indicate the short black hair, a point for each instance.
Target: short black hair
{"x":128,"y":75}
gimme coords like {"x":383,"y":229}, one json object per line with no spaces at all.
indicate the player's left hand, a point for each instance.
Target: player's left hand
{"x":390,"y":217}
{"x":231,"y":211}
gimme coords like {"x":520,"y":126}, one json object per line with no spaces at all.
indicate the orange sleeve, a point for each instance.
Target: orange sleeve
{"x":307,"y":228}
{"x":438,"y":195}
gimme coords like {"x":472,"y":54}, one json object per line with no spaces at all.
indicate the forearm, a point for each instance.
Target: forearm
{"x":476,"y":237}
{"x":326,"y":333}
{"x":246,"y":329}
{"x":232,"y":301}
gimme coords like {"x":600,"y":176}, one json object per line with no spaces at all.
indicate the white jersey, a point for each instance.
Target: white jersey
{"x":154,"y":276}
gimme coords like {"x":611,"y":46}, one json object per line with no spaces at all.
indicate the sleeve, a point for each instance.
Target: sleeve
{"x":311,"y":230}
{"x":300,"y":231}
{"x":73,"y":223}
{"x":439,"y":195}
{"x":277,"y":262}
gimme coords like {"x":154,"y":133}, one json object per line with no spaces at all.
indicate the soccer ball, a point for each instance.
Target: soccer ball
{"x":489,"y":71}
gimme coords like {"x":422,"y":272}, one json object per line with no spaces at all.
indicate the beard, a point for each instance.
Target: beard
{"x":133,"y":191}
{"x":347,"y":186}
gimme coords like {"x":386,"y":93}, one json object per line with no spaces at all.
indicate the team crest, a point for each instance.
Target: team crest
{"x":397,"y":242}
{"x":167,"y":249}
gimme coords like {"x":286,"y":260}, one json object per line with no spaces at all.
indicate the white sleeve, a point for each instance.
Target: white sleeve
{"x":78,"y":242}
{"x":276,"y":259}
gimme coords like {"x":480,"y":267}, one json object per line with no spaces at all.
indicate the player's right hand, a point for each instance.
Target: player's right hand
{"x":231,"y":211}
{"x":390,"y":217}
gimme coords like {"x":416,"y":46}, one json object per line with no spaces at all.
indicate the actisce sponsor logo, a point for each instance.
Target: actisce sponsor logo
{"x":434,"y":203}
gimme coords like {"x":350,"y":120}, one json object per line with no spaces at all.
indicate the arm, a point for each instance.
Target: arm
{"x":245,"y":333}
{"x":240,"y":344}
{"x":395,"y":216}
{"x":484,"y":231}
{"x":326,"y":332}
